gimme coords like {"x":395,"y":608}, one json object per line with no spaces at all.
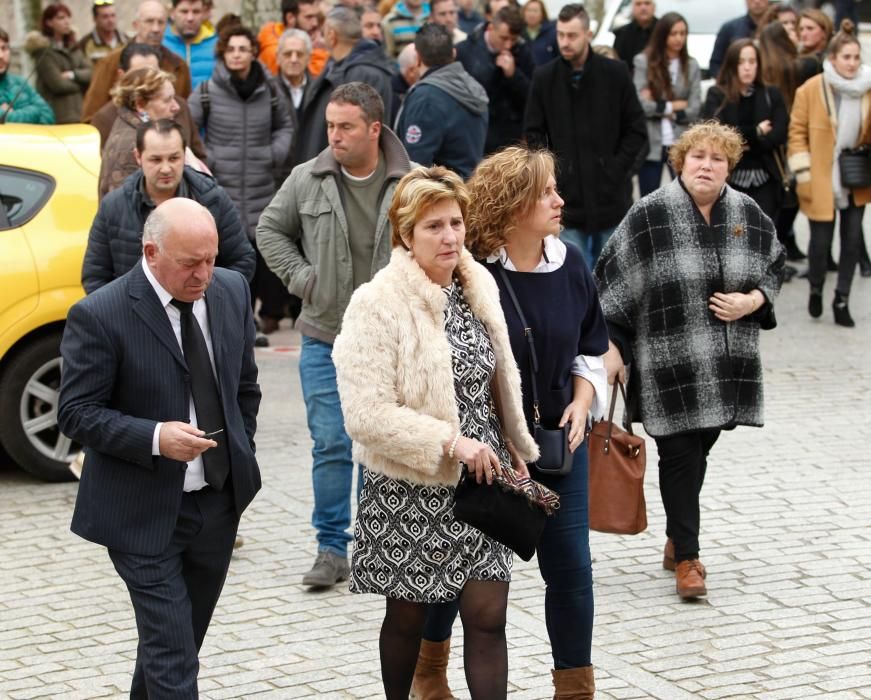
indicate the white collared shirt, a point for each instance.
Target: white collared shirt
{"x":296,"y":93}
{"x":194,"y":477}
{"x":589,"y":367}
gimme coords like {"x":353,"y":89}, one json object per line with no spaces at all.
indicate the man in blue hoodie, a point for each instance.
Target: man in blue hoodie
{"x":444,"y":118}
{"x":189,"y":36}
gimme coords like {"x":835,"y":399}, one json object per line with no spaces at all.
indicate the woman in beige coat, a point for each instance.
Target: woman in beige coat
{"x":428,"y":383}
{"x":831,"y":112}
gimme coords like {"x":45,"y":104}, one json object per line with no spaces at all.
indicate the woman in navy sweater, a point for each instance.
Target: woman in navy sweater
{"x":513,"y":223}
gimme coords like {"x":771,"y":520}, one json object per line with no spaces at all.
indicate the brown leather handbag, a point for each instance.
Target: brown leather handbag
{"x":617,"y":462}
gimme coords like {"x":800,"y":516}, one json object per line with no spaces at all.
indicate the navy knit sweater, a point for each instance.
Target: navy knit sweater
{"x":562,"y":308}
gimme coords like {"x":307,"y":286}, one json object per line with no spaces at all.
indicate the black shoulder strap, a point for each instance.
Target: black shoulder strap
{"x":527,"y":331}
{"x":274,"y":104}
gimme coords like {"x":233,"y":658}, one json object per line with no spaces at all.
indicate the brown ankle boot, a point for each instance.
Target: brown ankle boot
{"x":689,"y":581}
{"x":574,"y":683}
{"x":431,"y":673}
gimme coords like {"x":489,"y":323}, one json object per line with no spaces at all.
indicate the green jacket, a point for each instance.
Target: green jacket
{"x":307,"y":214}
{"x":64,"y":95}
{"x":29,"y":107}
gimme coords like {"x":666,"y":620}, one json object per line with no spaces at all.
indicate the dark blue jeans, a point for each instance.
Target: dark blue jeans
{"x":564,"y":562}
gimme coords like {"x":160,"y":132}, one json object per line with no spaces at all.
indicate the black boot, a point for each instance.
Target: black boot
{"x":842,"y":311}
{"x":815,"y":303}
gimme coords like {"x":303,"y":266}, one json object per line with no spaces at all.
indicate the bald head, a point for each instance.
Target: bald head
{"x":150,"y":22}
{"x":180,"y":245}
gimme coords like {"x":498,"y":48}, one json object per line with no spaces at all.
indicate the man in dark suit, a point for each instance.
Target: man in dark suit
{"x":631,"y":38}
{"x":160,"y":386}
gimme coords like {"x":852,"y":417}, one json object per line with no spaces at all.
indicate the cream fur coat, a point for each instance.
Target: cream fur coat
{"x":396,"y":383}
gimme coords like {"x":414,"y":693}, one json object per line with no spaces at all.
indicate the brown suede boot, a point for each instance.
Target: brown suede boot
{"x":431,"y":673}
{"x":574,"y":683}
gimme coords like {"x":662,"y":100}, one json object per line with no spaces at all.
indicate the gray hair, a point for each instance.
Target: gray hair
{"x":346,"y":23}
{"x":161,"y":221}
{"x":407,"y":57}
{"x":157,"y":225}
{"x":296,"y":34}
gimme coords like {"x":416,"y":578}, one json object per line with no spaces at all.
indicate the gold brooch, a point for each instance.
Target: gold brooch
{"x":738,"y":231}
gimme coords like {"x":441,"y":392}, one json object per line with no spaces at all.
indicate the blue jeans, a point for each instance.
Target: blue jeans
{"x":332,"y":466}
{"x":565,"y":564}
{"x":590,"y":244}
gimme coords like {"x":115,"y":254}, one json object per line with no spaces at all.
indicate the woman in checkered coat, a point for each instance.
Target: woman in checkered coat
{"x":686,"y":283}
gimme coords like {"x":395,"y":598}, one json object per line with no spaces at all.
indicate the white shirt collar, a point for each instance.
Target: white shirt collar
{"x":553,"y":256}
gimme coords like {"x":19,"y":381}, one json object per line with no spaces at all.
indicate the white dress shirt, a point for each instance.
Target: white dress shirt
{"x":194,"y":477}
{"x":589,"y":367}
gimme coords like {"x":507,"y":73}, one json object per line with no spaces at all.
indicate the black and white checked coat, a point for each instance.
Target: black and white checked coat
{"x":690,"y":371}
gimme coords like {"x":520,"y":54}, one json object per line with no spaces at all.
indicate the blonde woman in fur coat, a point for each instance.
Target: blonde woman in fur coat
{"x":428,"y":382}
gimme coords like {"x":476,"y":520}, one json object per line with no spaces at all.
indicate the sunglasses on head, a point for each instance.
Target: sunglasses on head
{"x":103,"y":3}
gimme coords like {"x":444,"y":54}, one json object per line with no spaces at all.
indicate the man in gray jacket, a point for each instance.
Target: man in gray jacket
{"x":324,"y":234}
{"x":443,"y":120}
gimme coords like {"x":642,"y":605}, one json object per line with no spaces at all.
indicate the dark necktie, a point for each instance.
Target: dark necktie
{"x":207,"y":400}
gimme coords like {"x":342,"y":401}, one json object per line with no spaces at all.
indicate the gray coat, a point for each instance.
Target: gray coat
{"x":689,"y":89}
{"x":303,"y":236}
{"x":245,"y":141}
{"x":690,"y":371}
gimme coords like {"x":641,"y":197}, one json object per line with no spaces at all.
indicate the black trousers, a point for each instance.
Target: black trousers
{"x":822,"y":233}
{"x":683,"y":461}
{"x":175,"y":592}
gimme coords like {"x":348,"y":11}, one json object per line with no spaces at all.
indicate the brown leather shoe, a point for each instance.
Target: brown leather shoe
{"x":668,"y":558}
{"x":689,"y":581}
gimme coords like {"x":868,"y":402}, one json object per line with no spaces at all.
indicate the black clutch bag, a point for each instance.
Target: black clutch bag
{"x":511,"y":510}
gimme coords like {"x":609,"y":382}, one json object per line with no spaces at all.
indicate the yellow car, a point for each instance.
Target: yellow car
{"x":48,"y":199}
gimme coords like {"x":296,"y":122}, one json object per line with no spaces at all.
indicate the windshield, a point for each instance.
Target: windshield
{"x":702,"y":17}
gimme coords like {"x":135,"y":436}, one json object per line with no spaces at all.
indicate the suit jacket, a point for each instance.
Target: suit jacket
{"x":123,"y":372}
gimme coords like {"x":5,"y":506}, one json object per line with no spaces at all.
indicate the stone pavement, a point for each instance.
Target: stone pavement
{"x":786,"y":539}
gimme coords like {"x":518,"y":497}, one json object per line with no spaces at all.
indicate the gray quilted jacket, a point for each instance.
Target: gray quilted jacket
{"x":245,"y":140}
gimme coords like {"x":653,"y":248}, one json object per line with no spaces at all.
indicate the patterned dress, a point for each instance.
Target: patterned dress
{"x":407,"y":543}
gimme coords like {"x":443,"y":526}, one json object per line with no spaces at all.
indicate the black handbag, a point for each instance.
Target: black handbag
{"x":854,"y":164}
{"x":855,"y":167}
{"x":555,"y":457}
{"x":512,"y":510}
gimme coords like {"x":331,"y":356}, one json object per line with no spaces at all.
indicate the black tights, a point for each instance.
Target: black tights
{"x":482,"y":610}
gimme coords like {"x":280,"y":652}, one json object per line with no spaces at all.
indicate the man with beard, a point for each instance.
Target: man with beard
{"x":190,"y":37}
{"x":585,"y":109}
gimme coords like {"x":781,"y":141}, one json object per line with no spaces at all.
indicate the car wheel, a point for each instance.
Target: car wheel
{"x":28,"y":403}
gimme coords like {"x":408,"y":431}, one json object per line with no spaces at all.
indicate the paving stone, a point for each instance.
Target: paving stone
{"x":785,"y":514}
